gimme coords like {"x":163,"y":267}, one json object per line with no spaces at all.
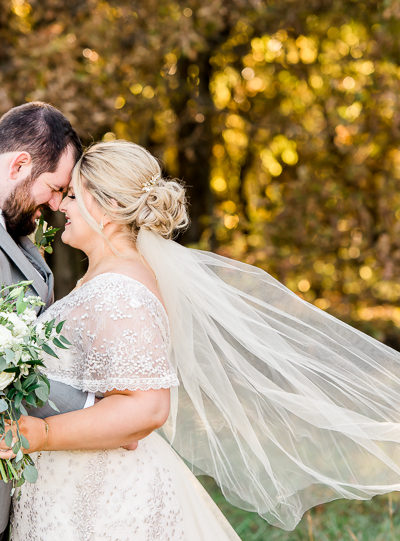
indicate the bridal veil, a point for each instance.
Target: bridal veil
{"x":283,"y":405}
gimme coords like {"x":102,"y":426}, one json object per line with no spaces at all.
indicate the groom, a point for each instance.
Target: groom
{"x":38,"y":150}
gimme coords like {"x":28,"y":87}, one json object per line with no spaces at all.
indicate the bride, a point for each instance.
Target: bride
{"x":201,"y":358}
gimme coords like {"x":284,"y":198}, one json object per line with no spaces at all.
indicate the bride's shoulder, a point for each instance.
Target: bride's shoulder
{"x":137,"y":288}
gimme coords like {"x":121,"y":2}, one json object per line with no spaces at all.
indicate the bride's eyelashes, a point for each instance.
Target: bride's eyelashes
{"x":71,"y":196}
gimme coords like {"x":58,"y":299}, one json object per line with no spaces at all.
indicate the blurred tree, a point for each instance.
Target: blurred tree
{"x":281,"y":117}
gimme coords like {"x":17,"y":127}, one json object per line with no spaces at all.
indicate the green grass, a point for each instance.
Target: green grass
{"x":341,"y":520}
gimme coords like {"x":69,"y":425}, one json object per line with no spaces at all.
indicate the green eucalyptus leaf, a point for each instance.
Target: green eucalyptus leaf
{"x":30,"y":399}
{"x":8,"y":438}
{"x":52,"y":405}
{"x":59,"y":327}
{"x":29,"y":380}
{"x":14,"y":293}
{"x":18,"y":400}
{"x":23,"y":410}
{"x":19,"y":456}
{"x":21,"y":306}
{"x":42,"y":393}
{"x":39,"y":231}
{"x":16,"y":447}
{"x":47,"y":349}
{"x":30,"y":473}
{"x":24,"y":441}
{"x":65,"y":340}
{"x":3,"y":405}
{"x":59,"y":344}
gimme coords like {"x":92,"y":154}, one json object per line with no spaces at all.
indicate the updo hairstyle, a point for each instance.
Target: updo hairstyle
{"x":126,"y":182}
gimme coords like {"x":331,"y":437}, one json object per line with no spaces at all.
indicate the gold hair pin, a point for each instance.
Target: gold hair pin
{"x":146,"y":186}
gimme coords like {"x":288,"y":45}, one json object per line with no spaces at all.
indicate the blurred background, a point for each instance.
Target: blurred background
{"x":283,"y":120}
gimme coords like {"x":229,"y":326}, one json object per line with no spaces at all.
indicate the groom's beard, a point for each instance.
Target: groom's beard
{"x":19,"y":210}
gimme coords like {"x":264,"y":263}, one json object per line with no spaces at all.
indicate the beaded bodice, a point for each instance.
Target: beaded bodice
{"x":119,"y":336}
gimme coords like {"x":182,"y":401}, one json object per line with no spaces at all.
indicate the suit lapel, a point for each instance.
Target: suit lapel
{"x":16,"y":255}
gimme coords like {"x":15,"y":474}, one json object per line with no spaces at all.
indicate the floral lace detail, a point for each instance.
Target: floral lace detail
{"x":85,"y":501}
{"x":120,"y":337}
{"x":112,"y":495}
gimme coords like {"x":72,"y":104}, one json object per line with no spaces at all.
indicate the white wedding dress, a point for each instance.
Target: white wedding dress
{"x":120,"y":339}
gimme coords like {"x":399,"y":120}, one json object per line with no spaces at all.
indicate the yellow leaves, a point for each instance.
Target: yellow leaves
{"x":280,"y":147}
{"x":255,"y":85}
{"x":221,"y":85}
{"x":235,"y":138}
{"x":308,"y":49}
{"x":389,"y":313}
{"x":266,"y":48}
{"x":148,"y":92}
{"x":348,"y":83}
{"x":109,"y":136}
{"x":344,"y":134}
{"x":231,"y":221}
{"x":136,"y":89}
{"x":351,"y":112}
{"x":322,"y":303}
{"x":247,"y":73}
{"x":21,"y":8}
{"x":303,"y":285}
{"x":290,"y":156}
{"x":316,"y":81}
{"x":229,"y":207}
{"x":235,"y":121}
{"x":323,"y":268}
{"x":365,"y":67}
{"x":171,"y":159}
{"x":119,"y":102}
{"x":218,"y":151}
{"x":274,"y":193}
{"x":90,"y":54}
{"x":218,"y":184}
{"x":365,"y":272}
{"x":270,"y":163}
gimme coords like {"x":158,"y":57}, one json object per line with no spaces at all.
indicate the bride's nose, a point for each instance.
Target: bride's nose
{"x":62,"y":208}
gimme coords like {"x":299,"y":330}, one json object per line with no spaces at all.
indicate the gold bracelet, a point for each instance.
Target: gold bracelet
{"x":47,"y":428}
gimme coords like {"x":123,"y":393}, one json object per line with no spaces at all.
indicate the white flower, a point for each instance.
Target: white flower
{"x":25,"y":357}
{"x":40,"y":331}
{"x":6,"y":338}
{"x":19,"y":327}
{"x":28,"y":316}
{"x":24,"y":369}
{"x":5,"y":379}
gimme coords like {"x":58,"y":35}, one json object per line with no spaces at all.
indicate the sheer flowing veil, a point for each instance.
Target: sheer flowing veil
{"x":282,"y":404}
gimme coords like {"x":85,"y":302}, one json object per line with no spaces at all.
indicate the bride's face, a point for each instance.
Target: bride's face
{"x":78,"y":233}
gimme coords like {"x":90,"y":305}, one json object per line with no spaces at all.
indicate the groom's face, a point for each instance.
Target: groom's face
{"x":25,"y":203}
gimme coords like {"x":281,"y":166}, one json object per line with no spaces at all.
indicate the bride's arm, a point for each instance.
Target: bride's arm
{"x":122,"y":416}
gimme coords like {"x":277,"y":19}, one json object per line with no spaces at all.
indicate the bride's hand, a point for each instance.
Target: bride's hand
{"x":32,"y":428}
{"x":130,"y":447}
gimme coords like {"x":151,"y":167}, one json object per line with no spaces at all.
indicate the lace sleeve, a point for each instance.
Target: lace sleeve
{"x":122,"y":337}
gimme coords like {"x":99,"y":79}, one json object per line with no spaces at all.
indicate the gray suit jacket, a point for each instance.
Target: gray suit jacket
{"x":23,"y":262}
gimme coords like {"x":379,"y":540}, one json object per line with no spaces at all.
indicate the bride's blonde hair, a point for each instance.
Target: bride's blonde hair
{"x":126,"y":181}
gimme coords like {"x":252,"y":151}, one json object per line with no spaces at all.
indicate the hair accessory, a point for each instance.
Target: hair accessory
{"x":146,"y":186}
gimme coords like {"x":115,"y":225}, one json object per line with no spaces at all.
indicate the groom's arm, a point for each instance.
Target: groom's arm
{"x":66,"y":398}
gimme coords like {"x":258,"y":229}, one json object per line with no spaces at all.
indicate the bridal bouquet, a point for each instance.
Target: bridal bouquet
{"x":22,"y":343}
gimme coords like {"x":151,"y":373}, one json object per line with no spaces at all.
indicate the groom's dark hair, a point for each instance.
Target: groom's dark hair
{"x":40,"y":129}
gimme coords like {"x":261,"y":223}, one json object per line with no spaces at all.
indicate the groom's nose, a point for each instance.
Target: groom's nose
{"x":55,"y":200}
